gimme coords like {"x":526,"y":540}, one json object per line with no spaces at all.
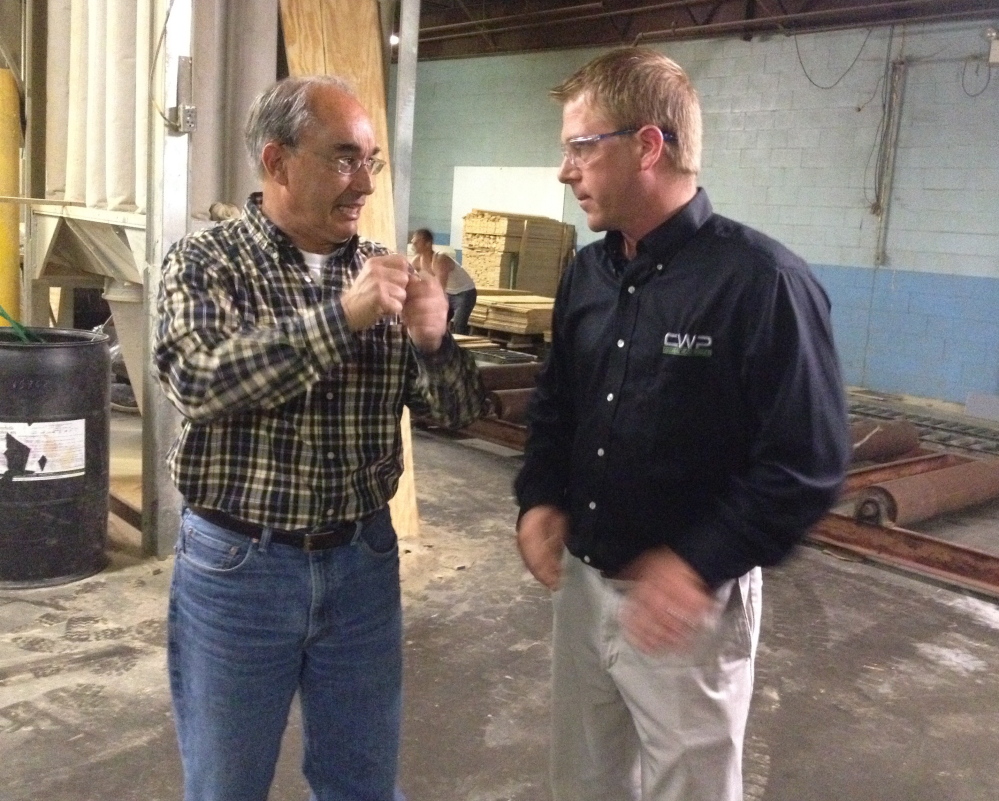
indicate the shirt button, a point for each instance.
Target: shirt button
{"x":586,"y":559}
{"x":610,"y":396}
{"x":631,"y":290}
{"x":308,"y":279}
{"x":329,"y":455}
{"x":659,"y":267}
{"x":620,"y":343}
{"x":593,"y":504}
{"x":329,"y":396}
{"x":600,"y":451}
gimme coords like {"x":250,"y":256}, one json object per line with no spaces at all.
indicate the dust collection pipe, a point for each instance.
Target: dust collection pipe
{"x":905,"y":501}
{"x":509,"y":376}
{"x":510,"y":405}
{"x":10,"y":144}
{"x":883,"y":440}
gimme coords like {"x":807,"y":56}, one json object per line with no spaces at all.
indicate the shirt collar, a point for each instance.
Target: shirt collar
{"x":267,"y":234}
{"x":667,"y":239}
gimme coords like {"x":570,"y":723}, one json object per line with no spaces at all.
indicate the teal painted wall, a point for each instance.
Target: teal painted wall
{"x":796,"y":161}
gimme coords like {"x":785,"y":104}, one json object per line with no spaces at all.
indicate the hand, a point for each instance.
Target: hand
{"x":425,"y":312}
{"x":378,"y":290}
{"x":668,"y":604}
{"x":541,"y":537}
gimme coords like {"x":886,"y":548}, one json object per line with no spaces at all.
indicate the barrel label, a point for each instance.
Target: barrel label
{"x":43,"y":451}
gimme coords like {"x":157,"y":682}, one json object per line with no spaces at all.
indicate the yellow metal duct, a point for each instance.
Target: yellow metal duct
{"x":10,"y":170}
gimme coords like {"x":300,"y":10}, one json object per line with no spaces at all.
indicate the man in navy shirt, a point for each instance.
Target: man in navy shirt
{"x":688,"y":427}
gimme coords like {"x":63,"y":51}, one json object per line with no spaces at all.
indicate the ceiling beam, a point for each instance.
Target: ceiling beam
{"x":542,"y":15}
{"x":585,"y":17}
{"x":479,"y":31}
{"x":831,"y":15}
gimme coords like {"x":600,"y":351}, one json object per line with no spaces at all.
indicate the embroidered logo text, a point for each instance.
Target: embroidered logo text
{"x":687,"y":345}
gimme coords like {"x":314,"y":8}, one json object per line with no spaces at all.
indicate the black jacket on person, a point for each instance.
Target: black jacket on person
{"x":692,"y":398}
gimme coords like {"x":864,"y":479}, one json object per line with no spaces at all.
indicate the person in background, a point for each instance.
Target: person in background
{"x":689,"y":425}
{"x":458,"y":284}
{"x":279,"y":343}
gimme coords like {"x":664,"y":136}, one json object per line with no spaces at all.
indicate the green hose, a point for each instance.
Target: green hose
{"x":24,"y":334}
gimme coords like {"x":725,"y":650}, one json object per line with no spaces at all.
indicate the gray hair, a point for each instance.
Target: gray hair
{"x":284,"y":111}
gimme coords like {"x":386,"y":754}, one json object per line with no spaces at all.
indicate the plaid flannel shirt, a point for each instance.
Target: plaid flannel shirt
{"x":290,"y":419}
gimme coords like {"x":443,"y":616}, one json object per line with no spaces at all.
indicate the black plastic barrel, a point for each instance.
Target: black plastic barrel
{"x":54,"y":467}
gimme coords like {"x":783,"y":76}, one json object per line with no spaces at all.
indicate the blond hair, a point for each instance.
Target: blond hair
{"x":636,"y":86}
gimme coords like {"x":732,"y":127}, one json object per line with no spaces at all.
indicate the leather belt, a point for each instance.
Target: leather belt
{"x":332,"y":536}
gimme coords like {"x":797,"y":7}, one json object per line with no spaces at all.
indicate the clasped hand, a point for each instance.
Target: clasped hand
{"x":388,"y":286}
{"x":667,"y":604}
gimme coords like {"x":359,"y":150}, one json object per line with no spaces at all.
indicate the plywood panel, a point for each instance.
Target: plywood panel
{"x":343,"y":37}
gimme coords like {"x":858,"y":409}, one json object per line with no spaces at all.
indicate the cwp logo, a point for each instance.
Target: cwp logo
{"x":687,"y":345}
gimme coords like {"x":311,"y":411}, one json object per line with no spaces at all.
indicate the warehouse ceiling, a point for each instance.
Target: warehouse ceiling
{"x":462,"y":28}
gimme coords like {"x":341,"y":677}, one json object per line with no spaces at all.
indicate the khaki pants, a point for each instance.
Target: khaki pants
{"x":670,"y":724}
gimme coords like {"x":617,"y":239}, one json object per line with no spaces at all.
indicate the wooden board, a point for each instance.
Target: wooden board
{"x":343,"y":37}
{"x":470,"y":342}
{"x":490,"y":292}
{"x":501,"y":249}
{"x":489,"y":268}
{"x":502,"y":223}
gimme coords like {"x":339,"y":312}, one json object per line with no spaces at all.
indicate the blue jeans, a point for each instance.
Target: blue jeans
{"x":460,"y":309}
{"x":252,"y":622}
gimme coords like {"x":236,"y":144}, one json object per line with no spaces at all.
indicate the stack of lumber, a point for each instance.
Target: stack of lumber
{"x":515,"y":313}
{"x":471,"y":342}
{"x":516,"y":251}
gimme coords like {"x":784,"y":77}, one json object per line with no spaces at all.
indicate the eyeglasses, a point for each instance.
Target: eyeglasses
{"x":579,"y":150}
{"x":348,"y":165}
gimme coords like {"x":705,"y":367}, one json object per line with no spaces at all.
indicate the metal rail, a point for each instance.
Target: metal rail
{"x":911,"y":551}
{"x":935,"y":430}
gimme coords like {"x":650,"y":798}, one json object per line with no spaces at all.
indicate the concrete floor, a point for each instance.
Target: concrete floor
{"x":871,"y":685}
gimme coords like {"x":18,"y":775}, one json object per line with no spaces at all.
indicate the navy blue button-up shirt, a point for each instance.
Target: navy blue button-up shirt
{"x":692,"y":398}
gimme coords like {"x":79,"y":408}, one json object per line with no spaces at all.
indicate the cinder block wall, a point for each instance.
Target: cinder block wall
{"x":798,"y":162}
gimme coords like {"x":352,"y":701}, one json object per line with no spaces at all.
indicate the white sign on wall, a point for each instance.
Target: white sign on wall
{"x":515,"y":190}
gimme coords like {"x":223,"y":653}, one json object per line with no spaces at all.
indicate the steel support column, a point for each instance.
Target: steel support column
{"x":167,"y":221}
{"x":405,"y":109}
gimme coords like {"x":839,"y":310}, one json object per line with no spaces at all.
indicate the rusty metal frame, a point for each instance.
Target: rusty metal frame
{"x":500,"y":432}
{"x":908,"y":550}
{"x":923,"y":462}
{"x":911,"y":551}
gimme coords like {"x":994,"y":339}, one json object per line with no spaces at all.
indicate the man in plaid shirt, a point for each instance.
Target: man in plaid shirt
{"x":290,"y":346}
